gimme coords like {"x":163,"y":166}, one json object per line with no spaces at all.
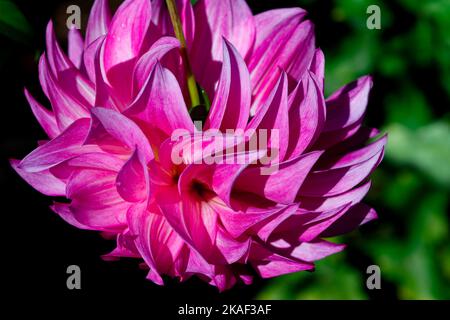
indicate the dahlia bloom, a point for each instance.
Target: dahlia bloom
{"x":121,"y":93}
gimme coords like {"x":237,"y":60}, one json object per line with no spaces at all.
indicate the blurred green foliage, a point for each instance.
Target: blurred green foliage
{"x":410,"y":60}
{"x":12,"y":22}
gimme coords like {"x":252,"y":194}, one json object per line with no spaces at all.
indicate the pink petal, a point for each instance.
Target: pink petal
{"x":230,"y":108}
{"x":43,"y":181}
{"x":123,"y":43}
{"x":158,"y":243}
{"x":99,"y":20}
{"x":355,"y":157}
{"x":161,"y":99}
{"x":65,"y":107}
{"x":273,"y":117}
{"x":320,"y":204}
{"x":147,"y":62}
{"x":95,"y":201}
{"x":355,"y":217}
{"x":75,"y":46}
{"x":111,"y":127}
{"x":269,"y":264}
{"x":335,"y":181}
{"x":283,"y":41}
{"x":65,"y":146}
{"x":313,"y":251}
{"x":45,"y":117}
{"x":63,"y":210}
{"x":348,"y":105}
{"x":273,"y":186}
{"x":318,"y":68}
{"x":57,"y":60}
{"x":231,"y":19}
{"x":306,"y":115}
{"x":132,"y":180}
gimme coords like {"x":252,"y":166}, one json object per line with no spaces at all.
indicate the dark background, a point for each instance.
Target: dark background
{"x":409,"y":59}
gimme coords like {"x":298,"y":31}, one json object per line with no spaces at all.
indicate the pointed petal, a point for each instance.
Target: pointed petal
{"x":147,"y":62}
{"x":306,"y":115}
{"x":313,"y":251}
{"x":65,"y":107}
{"x":269,"y":264}
{"x":111,"y":125}
{"x":320,"y":204}
{"x":65,"y":146}
{"x":123,"y":44}
{"x":57,"y":60}
{"x":273,"y":117}
{"x":355,"y":217}
{"x":354,"y":157}
{"x":42,"y":181}
{"x":335,"y":181}
{"x":75,"y":47}
{"x":99,"y":20}
{"x":158,"y":243}
{"x":273,"y":186}
{"x":348,"y":105}
{"x":132,"y":180}
{"x":230,"y":108}
{"x":231,"y":19}
{"x":63,"y":210}
{"x":45,"y":117}
{"x":95,"y":201}
{"x":161,"y":99}
{"x":318,"y":67}
{"x":284,"y":41}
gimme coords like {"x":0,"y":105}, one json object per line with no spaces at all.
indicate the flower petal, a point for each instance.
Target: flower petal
{"x":65,"y":146}
{"x":273,"y":186}
{"x":284,"y":41}
{"x":43,"y":181}
{"x":45,"y":117}
{"x":306,"y":115}
{"x":75,"y":47}
{"x":335,"y":181}
{"x":132,"y":180}
{"x":98,"y":23}
{"x":348,"y":105}
{"x":111,"y":127}
{"x":161,"y":99}
{"x":147,"y":62}
{"x":230,"y":108}
{"x":123,"y":44}
{"x":230,"y":19}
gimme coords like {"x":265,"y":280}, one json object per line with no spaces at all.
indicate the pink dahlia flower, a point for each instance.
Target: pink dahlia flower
{"x":120,"y":95}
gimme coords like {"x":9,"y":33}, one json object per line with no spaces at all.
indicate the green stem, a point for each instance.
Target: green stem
{"x":177,"y":28}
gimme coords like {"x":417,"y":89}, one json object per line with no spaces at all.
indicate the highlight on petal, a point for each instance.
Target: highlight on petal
{"x":284,"y":40}
{"x":99,"y":21}
{"x":229,"y":19}
{"x":45,"y":117}
{"x":43,"y":181}
{"x":161,"y":99}
{"x":76,"y":45}
{"x":124,"y":43}
{"x":230,"y":108}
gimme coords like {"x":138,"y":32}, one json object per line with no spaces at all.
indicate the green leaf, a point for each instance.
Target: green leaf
{"x":13,"y":24}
